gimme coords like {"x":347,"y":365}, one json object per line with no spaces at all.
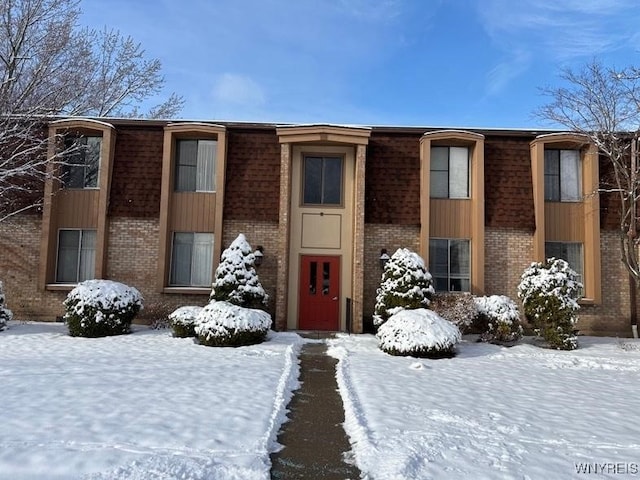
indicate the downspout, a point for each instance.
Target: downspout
{"x":633,"y":309}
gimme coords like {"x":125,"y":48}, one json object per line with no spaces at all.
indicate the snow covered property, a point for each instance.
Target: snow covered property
{"x":152,"y":204}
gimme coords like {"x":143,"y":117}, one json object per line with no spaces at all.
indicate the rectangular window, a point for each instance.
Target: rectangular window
{"x":570,"y":252}
{"x":76,"y":256}
{"x":195,"y":165}
{"x":562,"y":176}
{"x":449,"y":172}
{"x":81,"y":165}
{"x":450,"y":264}
{"x":322,"y":184}
{"x":191,"y":259}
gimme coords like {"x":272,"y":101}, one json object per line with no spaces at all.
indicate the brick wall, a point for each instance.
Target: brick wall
{"x":259,"y":233}
{"x":509,"y":251}
{"x":377,"y":237}
{"x":19,"y":263}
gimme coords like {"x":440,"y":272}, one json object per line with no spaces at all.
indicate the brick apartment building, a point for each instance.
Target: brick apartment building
{"x":153,"y":203}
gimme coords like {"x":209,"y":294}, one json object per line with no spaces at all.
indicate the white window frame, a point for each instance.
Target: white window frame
{"x":569,"y":175}
{"x":79,"y":147}
{"x":86,"y":255}
{"x":453,"y":165}
{"x":200,"y":266}
{"x":450,"y":277}
{"x":205,"y":167}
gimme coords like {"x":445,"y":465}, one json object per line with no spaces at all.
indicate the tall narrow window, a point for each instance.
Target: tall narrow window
{"x":191,"y":259}
{"x":195,"y":165}
{"x":562,"y":176}
{"x":449,"y":176}
{"x":450,"y":264}
{"x":76,"y":256}
{"x":81,"y":163}
{"x":322,"y":181}
{"x":570,"y":252}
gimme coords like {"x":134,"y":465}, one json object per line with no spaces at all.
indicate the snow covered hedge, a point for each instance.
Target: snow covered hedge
{"x":549,"y":292}
{"x":99,"y":308}
{"x":236,"y":280}
{"x":498,"y":319}
{"x":418,"y":333}
{"x":6,"y":315}
{"x":406,"y":284}
{"x":222,"y":324}
{"x":183,"y":321}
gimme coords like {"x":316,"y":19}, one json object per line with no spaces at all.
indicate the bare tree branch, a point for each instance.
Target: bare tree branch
{"x":604,"y":104}
{"x":50,"y":66}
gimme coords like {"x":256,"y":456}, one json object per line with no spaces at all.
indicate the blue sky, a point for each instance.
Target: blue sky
{"x":455,"y":63}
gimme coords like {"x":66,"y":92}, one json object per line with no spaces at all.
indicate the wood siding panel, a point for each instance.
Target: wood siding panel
{"x":193,"y":212}
{"x":450,"y":218}
{"x":77,"y":208}
{"x":564,"y":221}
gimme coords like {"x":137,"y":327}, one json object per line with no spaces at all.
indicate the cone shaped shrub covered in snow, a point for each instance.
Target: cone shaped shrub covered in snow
{"x":406,"y":284}
{"x":549,"y":292}
{"x":5,"y":314}
{"x":418,"y":333}
{"x":236,"y":280}
{"x":498,"y":319}
{"x":222,"y":324}
{"x":99,"y":308}
{"x":183,"y":321}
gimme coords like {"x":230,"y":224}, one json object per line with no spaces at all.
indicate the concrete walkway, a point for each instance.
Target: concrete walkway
{"x":313,"y":438}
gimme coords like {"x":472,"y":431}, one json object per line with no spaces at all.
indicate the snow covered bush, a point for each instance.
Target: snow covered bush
{"x":183,"y":321}
{"x":222,"y":324}
{"x":549,"y":292}
{"x":5,"y":314}
{"x":459,"y":308}
{"x":236,"y":280}
{"x":498,"y":319}
{"x":418,"y":333}
{"x":406,"y":284}
{"x":99,"y":308}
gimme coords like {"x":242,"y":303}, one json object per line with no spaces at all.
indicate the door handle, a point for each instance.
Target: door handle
{"x":334,"y":299}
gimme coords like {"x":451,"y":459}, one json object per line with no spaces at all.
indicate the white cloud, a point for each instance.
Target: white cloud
{"x":236,"y":89}
{"x":502,"y":74}
{"x":560,"y":29}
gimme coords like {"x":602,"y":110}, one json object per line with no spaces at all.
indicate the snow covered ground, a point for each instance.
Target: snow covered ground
{"x":493,"y":412}
{"x":149,"y":406}
{"x":140,"y":406}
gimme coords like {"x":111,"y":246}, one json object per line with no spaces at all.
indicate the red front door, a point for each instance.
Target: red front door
{"x":319,"y":300}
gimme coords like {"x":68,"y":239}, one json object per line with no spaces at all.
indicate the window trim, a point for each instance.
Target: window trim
{"x":170,"y":199}
{"x":84,"y":165}
{"x":176,"y":165}
{"x":584,"y":221}
{"x":171,"y":262}
{"x":471,"y":226}
{"x":582,"y":259}
{"x":560,"y":176}
{"x":323,"y":156}
{"x":448,"y":171}
{"x":79,"y":250}
{"x":54,"y":195}
{"x":449,"y":277}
